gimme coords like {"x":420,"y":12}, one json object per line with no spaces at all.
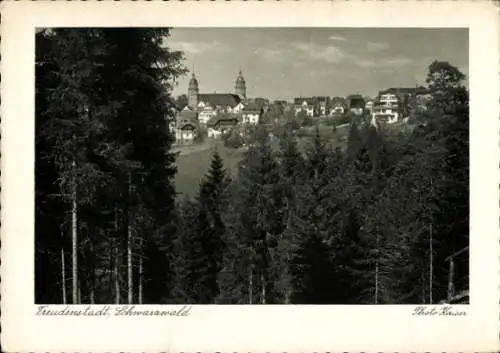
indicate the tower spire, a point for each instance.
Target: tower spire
{"x":240,"y":87}
{"x":193,"y":91}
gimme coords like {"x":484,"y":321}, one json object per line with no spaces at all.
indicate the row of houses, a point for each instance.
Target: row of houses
{"x":328,"y":106}
{"x":390,"y":105}
{"x":216,"y":114}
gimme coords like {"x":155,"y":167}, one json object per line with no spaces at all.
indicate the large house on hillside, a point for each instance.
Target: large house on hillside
{"x":394,"y":104}
{"x":387,"y":107}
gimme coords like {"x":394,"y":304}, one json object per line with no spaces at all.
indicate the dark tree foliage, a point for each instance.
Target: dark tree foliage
{"x":102,"y":100}
{"x":371,"y":223}
{"x":202,"y":245}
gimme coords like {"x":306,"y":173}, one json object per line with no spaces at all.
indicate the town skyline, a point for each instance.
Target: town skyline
{"x":301,"y":62}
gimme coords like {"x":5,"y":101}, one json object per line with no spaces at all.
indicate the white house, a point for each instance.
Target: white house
{"x":251,"y":114}
{"x":387,"y":107}
{"x":387,"y":114}
{"x":250,"y":118}
{"x":388,"y":99}
{"x":185,"y":134}
{"x":186,"y":126}
{"x":304,"y":104}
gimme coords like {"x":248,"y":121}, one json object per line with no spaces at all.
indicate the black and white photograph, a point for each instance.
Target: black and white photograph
{"x":251,"y":166}
{"x":250,"y":176}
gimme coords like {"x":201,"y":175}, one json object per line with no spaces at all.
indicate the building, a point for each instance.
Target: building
{"x":356,"y":104}
{"x":409,"y":98}
{"x":186,"y":126}
{"x":386,"y":114}
{"x":369,"y":105}
{"x":251,"y":113}
{"x":209,"y":105}
{"x":305,"y":105}
{"x":386,"y":107}
{"x":222,"y":124}
{"x":240,"y":87}
{"x":322,"y":106}
{"x":338,"y":106}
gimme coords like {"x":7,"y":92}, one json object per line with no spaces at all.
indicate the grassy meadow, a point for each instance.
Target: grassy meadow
{"x":192,"y":166}
{"x":193,"y":161}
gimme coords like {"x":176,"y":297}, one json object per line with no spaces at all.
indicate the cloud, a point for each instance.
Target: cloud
{"x":271,"y":55}
{"x":330,"y":53}
{"x":194,"y":47}
{"x":339,"y":38}
{"x":377,"y":46}
{"x":382,"y":63}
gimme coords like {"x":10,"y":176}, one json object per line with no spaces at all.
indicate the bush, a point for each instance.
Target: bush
{"x":330,"y":122}
{"x":343,"y":119}
{"x":201,"y":134}
{"x":293,"y":124}
{"x":307,"y":121}
{"x":232,"y":139}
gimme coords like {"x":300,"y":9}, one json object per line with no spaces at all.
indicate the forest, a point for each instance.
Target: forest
{"x":369,"y":224}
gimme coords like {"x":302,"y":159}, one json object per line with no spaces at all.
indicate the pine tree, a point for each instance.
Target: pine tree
{"x":102,"y":97}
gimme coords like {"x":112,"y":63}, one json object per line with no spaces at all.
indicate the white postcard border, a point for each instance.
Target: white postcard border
{"x":248,"y":328}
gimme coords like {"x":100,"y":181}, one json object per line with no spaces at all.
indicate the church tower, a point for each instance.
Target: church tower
{"x":240,"y":89}
{"x":193,"y":92}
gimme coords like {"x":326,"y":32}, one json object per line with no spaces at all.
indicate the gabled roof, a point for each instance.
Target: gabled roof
{"x":188,"y":124}
{"x":188,"y":114}
{"x":252,"y":107}
{"x":220,"y":99}
{"x":337,"y":101}
{"x":356,"y":101}
{"x":224,"y":119}
{"x":187,"y":117}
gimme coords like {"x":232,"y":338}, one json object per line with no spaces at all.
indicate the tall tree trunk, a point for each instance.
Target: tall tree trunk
{"x":263,"y":283}
{"x":92,"y":284}
{"x":63,"y":271}
{"x":79,"y":293}
{"x":74,"y":235}
{"x":250,"y":285}
{"x":430,"y":264}
{"x":450,"y":279}
{"x":109,"y":269}
{"x":116,"y":262}
{"x":129,"y":267}
{"x":376,"y":268}
{"x":116,"y":277}
{"x":140,"y":295}
{"x":129,"y":250}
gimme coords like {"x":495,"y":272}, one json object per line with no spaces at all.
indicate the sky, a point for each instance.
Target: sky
{"x":283,"y":63}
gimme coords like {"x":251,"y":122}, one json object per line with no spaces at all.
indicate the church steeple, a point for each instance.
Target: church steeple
{"x":240,"y":87}
{"x":193,"y":91}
